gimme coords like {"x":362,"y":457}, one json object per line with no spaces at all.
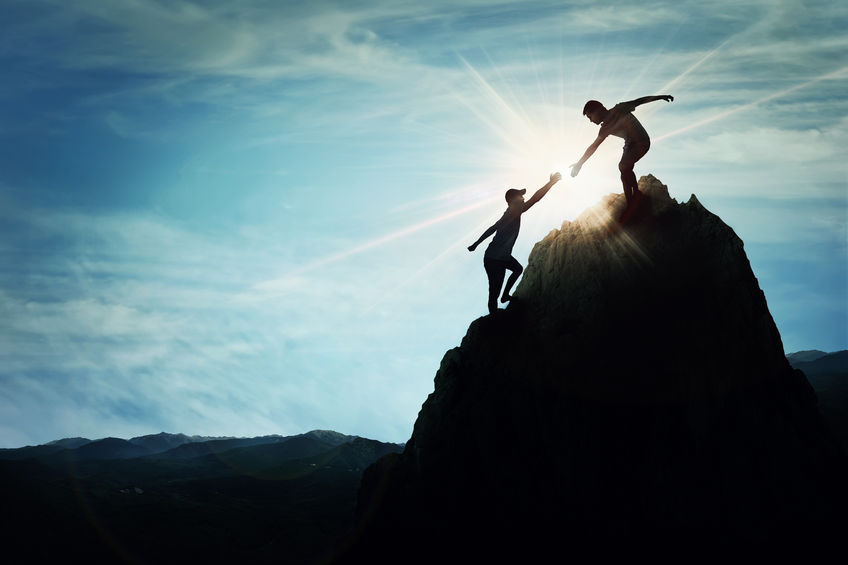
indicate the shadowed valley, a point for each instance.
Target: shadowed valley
{"x":171,"y":498}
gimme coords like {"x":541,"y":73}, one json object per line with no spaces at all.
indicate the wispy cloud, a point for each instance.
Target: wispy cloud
{"x":139,"y":316}
{"x":593,"y":17}
{"x":769,"y":150}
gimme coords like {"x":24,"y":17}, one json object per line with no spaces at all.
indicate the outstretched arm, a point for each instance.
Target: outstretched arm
{"x":492,"y":229}
{"x":575,"y":168}
{"x":555,"y":177}
{"x":646,"y":99}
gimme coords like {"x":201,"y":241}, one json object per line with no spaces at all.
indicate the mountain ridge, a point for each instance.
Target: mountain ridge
{"x":828,"y":375}
{"x":827,"y":363}
{"x":161,"y":445}
{"x":164,"y":441}
{"x":258,"y":503}
{"x":641,"y":385}
{"x":805,"y":355}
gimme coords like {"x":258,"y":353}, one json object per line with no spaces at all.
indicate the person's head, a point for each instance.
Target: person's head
{"x":595,"y":111}
{"x":514,"y":195}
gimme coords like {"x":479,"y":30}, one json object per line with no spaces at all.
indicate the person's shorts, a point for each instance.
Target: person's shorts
{"x":633,"y":152}
{"x":501,"y":264}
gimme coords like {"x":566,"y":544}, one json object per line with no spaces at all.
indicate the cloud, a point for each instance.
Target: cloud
{"x":87,"y":318}
{"x":616,"y":18}
{"x":307,"y":65}
{"x":238,"y":39}
{"x":137,"y":323}
{"x":752,"y":145}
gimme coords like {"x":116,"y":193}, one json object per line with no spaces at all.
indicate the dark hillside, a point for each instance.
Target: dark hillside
{"x":634,"y":397}
{"x":259,"y":502}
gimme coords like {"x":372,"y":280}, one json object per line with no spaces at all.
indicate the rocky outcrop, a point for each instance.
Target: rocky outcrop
{"x":634,"y":394}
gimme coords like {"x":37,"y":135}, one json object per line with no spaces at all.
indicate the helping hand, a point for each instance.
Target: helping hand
{"x":667,"y":97}
{"x":472,"y":247}
{"x":575,"y":168}
{"x":555,"y":177}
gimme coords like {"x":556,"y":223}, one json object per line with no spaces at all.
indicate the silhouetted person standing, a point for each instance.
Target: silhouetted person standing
{"x":620,"y":122}
{"x":498,"y":257}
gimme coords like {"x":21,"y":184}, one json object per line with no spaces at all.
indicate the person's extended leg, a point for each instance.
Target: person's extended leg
{"x":626,"y":183}
{"x":516,"y":268}
{"x":631,"y":154}
{"x":495,"y":270}
{"x":628,"y":179}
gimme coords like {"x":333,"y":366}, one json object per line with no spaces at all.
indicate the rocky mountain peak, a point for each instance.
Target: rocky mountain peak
{"x":634,"y":392}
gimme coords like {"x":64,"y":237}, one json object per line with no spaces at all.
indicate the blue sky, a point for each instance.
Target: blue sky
{"x":242,"y":218}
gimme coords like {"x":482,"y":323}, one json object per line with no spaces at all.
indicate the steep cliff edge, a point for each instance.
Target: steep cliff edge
{"x":634,"y":394}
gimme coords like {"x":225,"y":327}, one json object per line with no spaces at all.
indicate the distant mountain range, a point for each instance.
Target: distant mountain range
{"x":828,"y":375}
{"x":162,"y":444}
{"x":815,"y":362}
{"x":175,"y":498}
{"x":805,"y":356}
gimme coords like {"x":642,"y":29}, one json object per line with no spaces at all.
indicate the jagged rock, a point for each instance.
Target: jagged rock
{"x":634,"y":394}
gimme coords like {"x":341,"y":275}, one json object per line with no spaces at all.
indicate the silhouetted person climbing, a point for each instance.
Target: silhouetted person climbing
{"x":620,"y":122}
{"x":498,"y":257}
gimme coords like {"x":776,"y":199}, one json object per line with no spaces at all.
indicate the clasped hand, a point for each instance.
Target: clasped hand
{"x":575,"y":168}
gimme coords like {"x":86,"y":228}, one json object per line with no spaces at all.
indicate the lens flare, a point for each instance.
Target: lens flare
{"x":527,"y":150}
{"x":279,"y":285}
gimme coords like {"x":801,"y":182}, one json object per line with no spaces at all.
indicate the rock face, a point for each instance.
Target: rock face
{"x":634,"y":394}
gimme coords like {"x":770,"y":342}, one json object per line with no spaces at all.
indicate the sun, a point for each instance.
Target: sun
{"x":554,"y":150}
{"x":532,"y":138}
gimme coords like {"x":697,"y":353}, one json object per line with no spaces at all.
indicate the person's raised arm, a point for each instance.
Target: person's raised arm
{"x":555,"y":177}
{"x":492,"y":229}
{"x":646,"y":99}
{"x":575,"y":168}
